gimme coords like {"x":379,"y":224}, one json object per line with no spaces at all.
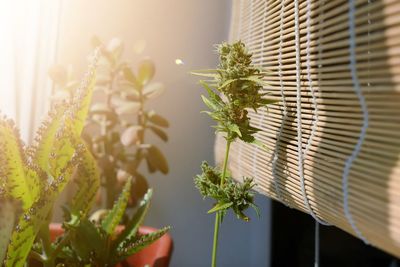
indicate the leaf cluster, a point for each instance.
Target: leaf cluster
{"x":230,"y":195}
{"x":97,"y":241}
{"x":235,"y":86}
{"x":119,"y":121}
{"x":34,"y":176}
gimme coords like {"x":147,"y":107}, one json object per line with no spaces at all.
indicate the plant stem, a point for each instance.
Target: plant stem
{"x":218,"y":215}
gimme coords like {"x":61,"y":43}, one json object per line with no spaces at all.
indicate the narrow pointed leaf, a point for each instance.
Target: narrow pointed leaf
{"x":220,"y":206}
{"x":115,"y":215}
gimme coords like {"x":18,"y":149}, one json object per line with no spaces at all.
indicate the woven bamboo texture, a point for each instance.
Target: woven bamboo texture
{"x":334,"y":137}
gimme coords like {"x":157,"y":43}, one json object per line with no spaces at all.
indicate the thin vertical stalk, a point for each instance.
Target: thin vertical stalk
{"x":218,"y":215}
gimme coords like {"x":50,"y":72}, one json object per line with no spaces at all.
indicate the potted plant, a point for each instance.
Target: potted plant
{"x":118,"y":120}
{"x":232,"y":89}
{"x":33,"y":177}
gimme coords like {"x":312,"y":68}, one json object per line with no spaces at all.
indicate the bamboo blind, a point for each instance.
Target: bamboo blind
{"x":335,"y":67}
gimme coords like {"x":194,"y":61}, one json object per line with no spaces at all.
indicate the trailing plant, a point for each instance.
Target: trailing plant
{"x":235,"y":86}
{"x":34,"y":176}
{"x":118,"y":121}
{"x":96,"y":241}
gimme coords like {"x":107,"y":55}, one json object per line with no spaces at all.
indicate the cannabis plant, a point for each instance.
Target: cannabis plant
{"x":233,"y":88}
{"x":95,"y":241}
{"x":118,"y":120}
{"x":34,"y":176}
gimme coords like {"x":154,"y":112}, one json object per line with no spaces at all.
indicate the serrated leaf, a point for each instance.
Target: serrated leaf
{"x":146,"y":71}
{"x":159,"y":132}
{"x":234,"y":128}
{"x":220,"y":206}
{"x":33,"y":218}
{"x":13,"y":165}
{"x":209,"y":103}
{"x":157,"y":159}
{"x":87,"y":240}
{"x":88,"y":181}
{"x":157,"y":119}
{"x":8,"y":215}
{"x":114,"y":217}
{"x":133,"y":225}
{"x":140,"y":243}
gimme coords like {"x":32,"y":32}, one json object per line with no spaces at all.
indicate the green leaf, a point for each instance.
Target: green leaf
{"x":153,"y":90}
{"x":13,"y":164}
{"x":226,"y":83}
{"x":157,"y":159}
{"x":211,"y":92}
{"x":32,"y":219}
{"x":63,"y":158}
{"x":220,"y":206}
{"x":159,"y":120}
{"x":8,"y":215}
{"x":115,"y":215}
{"x":268,"y":101}
{"x":88,"y":181}
{"x":130,"y":77}
{"x":209,"y":103}
{"x":45,"y":136}
{"x":159,"y":132}
{"x":131,"y":247}
{"x":210,"y":75}
{"x":234,"y":128}
{"x":86,"y":240}
{"x":133,"y":225}
{"x":146,"y":71}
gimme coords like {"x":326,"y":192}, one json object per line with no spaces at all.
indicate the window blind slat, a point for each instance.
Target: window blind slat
{"x":347,"y":58}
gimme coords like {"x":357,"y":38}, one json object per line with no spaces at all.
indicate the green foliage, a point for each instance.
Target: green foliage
{"x":237,"y":196}
{"x":118,"y":122}
{"x":9,"y":211}
{"x":97,"y":243}
{"x":240,"y":83}
{"x":36,"y":175}
{"x":233,"y":88}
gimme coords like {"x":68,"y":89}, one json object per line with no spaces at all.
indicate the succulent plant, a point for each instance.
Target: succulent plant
{"x":95,"y":241}
{"x":118,"y":121}
{"x":35,"y":175}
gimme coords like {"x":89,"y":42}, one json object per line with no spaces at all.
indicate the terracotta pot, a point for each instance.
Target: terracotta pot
{"x":157,"y":254}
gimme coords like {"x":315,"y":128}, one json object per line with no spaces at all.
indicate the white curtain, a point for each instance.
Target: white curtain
{"x":28,"y":46}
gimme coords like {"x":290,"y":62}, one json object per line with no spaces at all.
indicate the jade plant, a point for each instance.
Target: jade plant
{"x":233,"y":88}
{"x":95,"y":241}
{"x":34,"y":176}
{"x":118,"y":121}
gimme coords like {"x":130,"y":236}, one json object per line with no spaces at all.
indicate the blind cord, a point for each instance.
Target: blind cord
{"x":284,"y":112}
{"x":298,"y":105}
{"x":364,"y":108}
